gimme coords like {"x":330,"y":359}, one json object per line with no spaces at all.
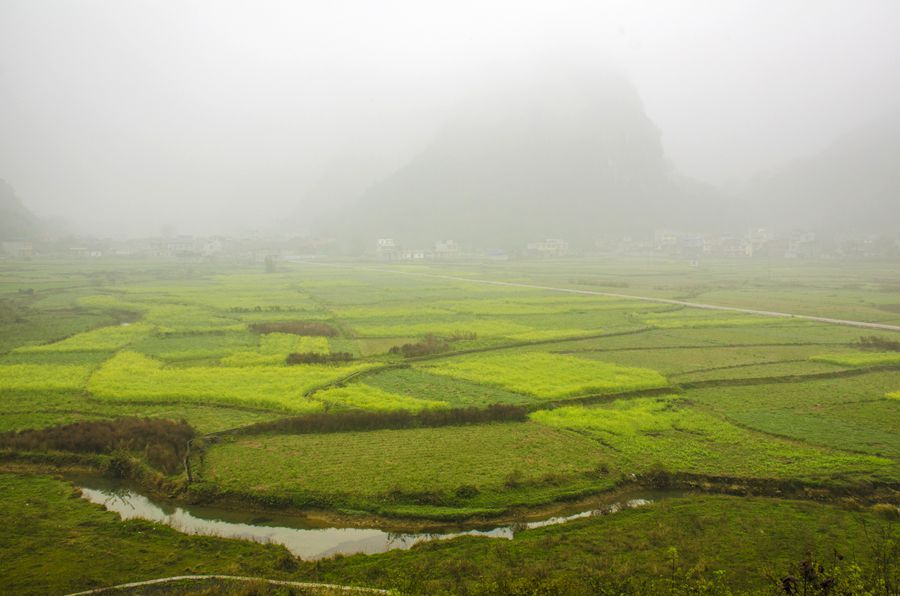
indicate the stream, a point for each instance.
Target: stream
{"x":304,"y":539}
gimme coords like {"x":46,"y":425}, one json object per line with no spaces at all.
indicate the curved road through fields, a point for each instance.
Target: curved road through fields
{"x":748,"y":311}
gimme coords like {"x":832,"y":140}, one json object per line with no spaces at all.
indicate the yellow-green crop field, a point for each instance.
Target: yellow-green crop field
{"x":104,"y":339}
{"x":363,"y":397}
{"x":860,"y":358}
{"x":381,"y":396}
{"x":133,"y":376}
{"x":42,"y":376}
{"x":549,"y":375}
{"x":274,"y":349}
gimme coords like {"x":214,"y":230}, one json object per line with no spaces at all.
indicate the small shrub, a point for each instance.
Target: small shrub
{"x":388,"y":419}
{"x":162,"y":442}
{"x":659,"y":477}
{"x":463,"y":335}
{"x":467,"y":491}
{"x":317,"y":358}
{"x":887,"y":511}
{"x":514,"y":479}
{"x":118,"y":466}
{"x":430,"y":344}
{"x":314,"y":328}
{"x":878,"y":343}
{"x":286,"y":562}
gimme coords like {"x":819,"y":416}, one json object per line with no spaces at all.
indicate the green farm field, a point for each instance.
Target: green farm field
{"x":416,"y":396}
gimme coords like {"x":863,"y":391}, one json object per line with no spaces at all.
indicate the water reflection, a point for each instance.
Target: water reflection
{"x":307,"y":543}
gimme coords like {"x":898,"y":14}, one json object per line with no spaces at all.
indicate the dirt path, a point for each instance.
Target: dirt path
{"x":325,"y":588}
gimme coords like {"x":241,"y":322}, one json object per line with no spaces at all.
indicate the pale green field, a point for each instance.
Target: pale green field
{"x":751,"y":396}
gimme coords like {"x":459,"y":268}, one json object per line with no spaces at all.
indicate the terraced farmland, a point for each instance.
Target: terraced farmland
{"x":393,"y":397}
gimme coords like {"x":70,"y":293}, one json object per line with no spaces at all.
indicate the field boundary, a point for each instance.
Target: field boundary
{"x":705,"y":346}
{"x":708,"y":409}
{"x":526,"y":344}
{"x":341,"y":381}
{"x":838,"y":374}
{"x":735,"y":366}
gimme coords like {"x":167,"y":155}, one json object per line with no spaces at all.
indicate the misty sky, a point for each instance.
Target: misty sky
{"x":122,"y":116}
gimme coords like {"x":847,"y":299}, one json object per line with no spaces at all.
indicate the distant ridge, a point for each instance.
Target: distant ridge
{"x":561,"y":154}
{"x":16,"y":221}
{"x":852,"y":186}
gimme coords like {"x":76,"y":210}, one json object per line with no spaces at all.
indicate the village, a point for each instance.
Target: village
{"x":255,"y":248}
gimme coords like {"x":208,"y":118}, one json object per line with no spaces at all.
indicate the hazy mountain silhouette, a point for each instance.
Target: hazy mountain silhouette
{"x":339,"y":185}
{"x":16,"y":221}
{"x":853,"y":185}
{"x":563,"y":154}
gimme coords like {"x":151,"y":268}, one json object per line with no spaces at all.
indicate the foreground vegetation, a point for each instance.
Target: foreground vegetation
{"x":435,"y":468}
{"x":365,"y":393}
{"x":55,"y":543}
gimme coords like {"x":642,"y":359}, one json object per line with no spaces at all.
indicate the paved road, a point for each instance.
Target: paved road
{"x":747,"y":311}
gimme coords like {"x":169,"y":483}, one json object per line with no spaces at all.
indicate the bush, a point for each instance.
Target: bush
{"x":514,"y":479}
{"x":467,"y":491}
{"x":118,"y":466}
{"x":317,"y":358}
{"x":878,"y":343}
{"x":430,"y":344}
{"x":315,"y":328}
{"x":659,"y":477}
{"x":887,"y":511}
{"x":162,"y":442}
{"x":355,"y":420}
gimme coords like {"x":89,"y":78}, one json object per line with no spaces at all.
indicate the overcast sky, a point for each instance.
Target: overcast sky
{"x":122,"y":116}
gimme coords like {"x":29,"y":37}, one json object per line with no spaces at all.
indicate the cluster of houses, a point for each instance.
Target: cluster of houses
{"x":183,"y":248}
{"x":388,"y":249}
{"x":756,"y":243}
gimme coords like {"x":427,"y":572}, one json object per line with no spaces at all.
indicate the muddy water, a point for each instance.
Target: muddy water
{"x":310,"y":542}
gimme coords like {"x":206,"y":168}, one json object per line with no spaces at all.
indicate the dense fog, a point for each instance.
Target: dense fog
{"x":425,"y":121}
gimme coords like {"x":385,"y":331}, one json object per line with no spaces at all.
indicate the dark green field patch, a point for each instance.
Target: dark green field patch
{"x":846,"y":413}
{"x":420,"y":466}
{"x":676,"y":363}
{"x":669,"y":433}
{"x":32,"y":410}
{"x":418,"y":383}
